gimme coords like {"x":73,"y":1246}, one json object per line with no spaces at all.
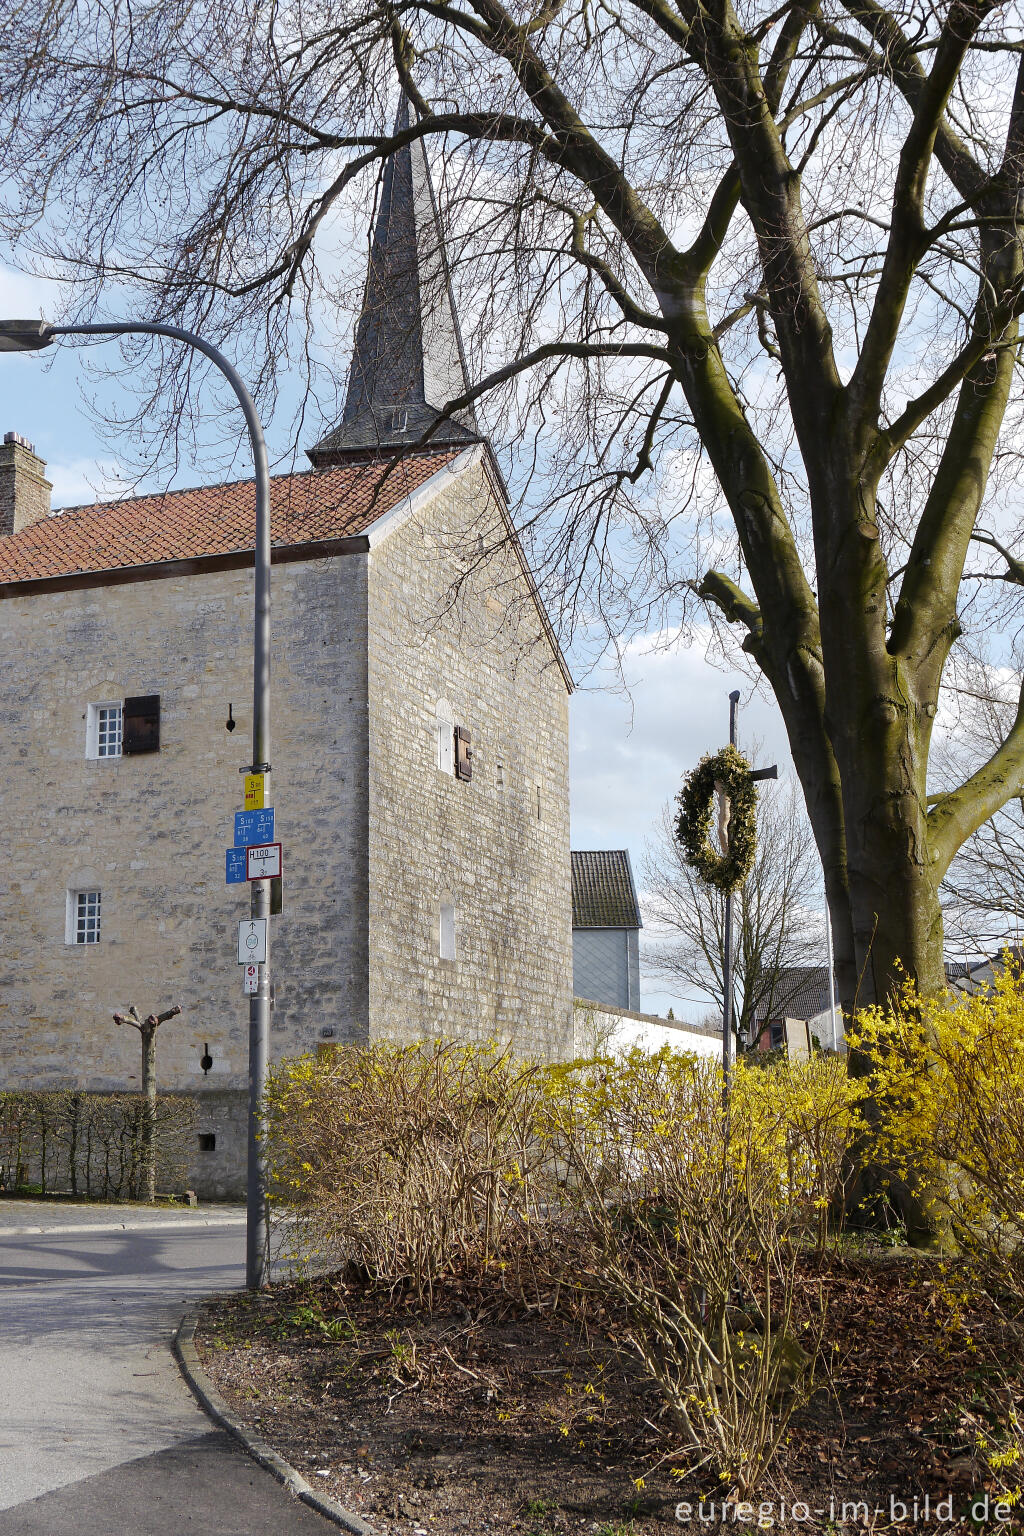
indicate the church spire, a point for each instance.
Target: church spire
{"x":408,"y":360}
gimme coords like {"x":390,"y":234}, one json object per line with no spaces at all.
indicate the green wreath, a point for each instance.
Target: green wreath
{"x":696,"y":800}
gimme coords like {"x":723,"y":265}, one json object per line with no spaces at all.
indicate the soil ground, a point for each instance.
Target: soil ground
{"x":480,"y":1418}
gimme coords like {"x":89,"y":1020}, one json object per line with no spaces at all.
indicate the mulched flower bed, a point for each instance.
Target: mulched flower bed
{"x":481,"y":1417}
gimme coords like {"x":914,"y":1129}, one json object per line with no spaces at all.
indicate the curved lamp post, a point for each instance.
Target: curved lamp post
{"x":33,"y":336}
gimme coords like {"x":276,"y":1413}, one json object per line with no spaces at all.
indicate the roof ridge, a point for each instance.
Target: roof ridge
{"x":603,"y":889}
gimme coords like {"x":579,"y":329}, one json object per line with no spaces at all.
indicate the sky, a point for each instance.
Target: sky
{"x":629,"y":752}
{"x":629,"y":748}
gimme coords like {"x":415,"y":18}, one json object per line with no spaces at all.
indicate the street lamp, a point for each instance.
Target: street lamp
{"x":33,"y":336}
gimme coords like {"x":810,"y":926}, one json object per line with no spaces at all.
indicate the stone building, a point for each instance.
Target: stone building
{"x":419,"y":740}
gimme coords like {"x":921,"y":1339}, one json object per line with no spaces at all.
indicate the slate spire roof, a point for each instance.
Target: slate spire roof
{"x":408,"y":361}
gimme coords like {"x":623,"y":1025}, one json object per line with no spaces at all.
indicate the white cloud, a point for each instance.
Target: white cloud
{"x":78,"y":482}
{"x":24,"y":296}
{"x":629,"y":752}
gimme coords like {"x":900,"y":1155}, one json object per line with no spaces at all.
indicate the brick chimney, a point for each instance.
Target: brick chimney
{"x":24,"y":488}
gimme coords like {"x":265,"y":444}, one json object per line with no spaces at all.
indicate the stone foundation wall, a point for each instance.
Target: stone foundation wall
{"x":220,"y":1174}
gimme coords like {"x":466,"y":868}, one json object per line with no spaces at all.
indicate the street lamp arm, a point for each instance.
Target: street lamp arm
{"x":47,"y":333}
{"x":34,"y":336}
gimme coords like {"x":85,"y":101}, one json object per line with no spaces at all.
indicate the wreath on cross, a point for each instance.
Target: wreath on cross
{"x":728,"y":773}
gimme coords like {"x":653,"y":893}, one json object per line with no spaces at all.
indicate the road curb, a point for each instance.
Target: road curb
{"x":214,"y":1405}
{"x":73,"y":1228}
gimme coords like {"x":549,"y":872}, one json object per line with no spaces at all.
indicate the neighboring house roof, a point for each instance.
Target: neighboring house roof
{"x":968,"y":975}
{"x":801,"y":993}
{"x":408,"y":360}
{"x":802,"y":990}
{"x":211,"y":520}
{"x":603,"y":893}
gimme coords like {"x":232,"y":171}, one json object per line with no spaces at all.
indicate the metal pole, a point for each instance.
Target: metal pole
{"x":831,"y":974}
{"x":728,"y":1052}
{"x":257,"y":1240}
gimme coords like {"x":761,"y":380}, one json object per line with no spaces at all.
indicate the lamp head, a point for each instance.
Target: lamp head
{"x":25,"y":335}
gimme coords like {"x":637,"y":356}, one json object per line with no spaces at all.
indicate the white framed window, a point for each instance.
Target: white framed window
{"x":446,"y":927}
{"x":445,"y":733}
{"x":82,"y":921}
{"x":104,"y":730}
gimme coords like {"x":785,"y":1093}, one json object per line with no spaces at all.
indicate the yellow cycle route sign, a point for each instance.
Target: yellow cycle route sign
{"x":255,"y":791}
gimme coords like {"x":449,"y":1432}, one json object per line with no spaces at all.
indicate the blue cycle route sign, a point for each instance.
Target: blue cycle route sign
{"x":235,"y":862}
{"x":254,"y":827}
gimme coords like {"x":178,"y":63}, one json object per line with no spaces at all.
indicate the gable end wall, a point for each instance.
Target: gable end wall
{"x":481,"y":840}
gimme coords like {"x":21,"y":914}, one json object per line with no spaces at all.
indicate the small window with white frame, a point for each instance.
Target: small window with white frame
{"x":104,"y":731}
{"x":445,"y":728}
{"x":83,"y":917}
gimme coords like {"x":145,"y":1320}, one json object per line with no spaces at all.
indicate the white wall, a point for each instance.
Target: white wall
{"x":619,"y":1030}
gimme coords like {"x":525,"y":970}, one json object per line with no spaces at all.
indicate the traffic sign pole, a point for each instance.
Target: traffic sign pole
{"x":31,"y":336}
{"x":257,"y":1237}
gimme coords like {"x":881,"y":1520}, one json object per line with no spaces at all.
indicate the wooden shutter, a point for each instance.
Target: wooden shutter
{"x":141,"y":725}
{"x":463,"y":753}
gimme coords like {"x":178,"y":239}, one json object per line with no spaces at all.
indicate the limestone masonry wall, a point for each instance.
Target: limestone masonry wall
{"x":485,"y":661}
{"x":150,"y":831}
{"x":376,"y":837}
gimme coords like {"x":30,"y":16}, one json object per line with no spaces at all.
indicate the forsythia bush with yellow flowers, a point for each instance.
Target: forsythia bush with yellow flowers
{"x":634,"y":1186}
{"x":627,"y":1183}
{"x":687,"y":1210}
{"x":947,"y":1076}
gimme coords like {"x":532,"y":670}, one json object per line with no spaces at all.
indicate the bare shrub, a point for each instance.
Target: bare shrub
{"x":625,"y":1183}
{"x":687,"y":1206}
{"x":415,"y":1162}
{"x":66,"y":1141}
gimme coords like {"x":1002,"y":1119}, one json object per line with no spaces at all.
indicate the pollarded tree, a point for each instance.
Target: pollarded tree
{"x":749,"y":278}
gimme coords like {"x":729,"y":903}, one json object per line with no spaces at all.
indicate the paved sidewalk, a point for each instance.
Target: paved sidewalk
{"x":26,"y":1218}
{"x":205,"y":1485}
{"x":98,"y":1432}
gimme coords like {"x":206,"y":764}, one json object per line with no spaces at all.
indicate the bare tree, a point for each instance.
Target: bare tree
{"x":744,"y":282}
{"x":779,"y":922}
{"x":983,"y":892}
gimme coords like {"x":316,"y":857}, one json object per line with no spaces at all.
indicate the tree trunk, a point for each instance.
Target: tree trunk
{"x":885,"y":914}
{"x":888,"y":908}
{"x":148,"y":1181}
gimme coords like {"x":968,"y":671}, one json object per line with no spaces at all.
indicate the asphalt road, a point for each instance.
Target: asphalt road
{"x":98,"y":1433}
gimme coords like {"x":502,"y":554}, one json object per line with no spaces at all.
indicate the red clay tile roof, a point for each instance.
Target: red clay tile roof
{"x":211,"y":520}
